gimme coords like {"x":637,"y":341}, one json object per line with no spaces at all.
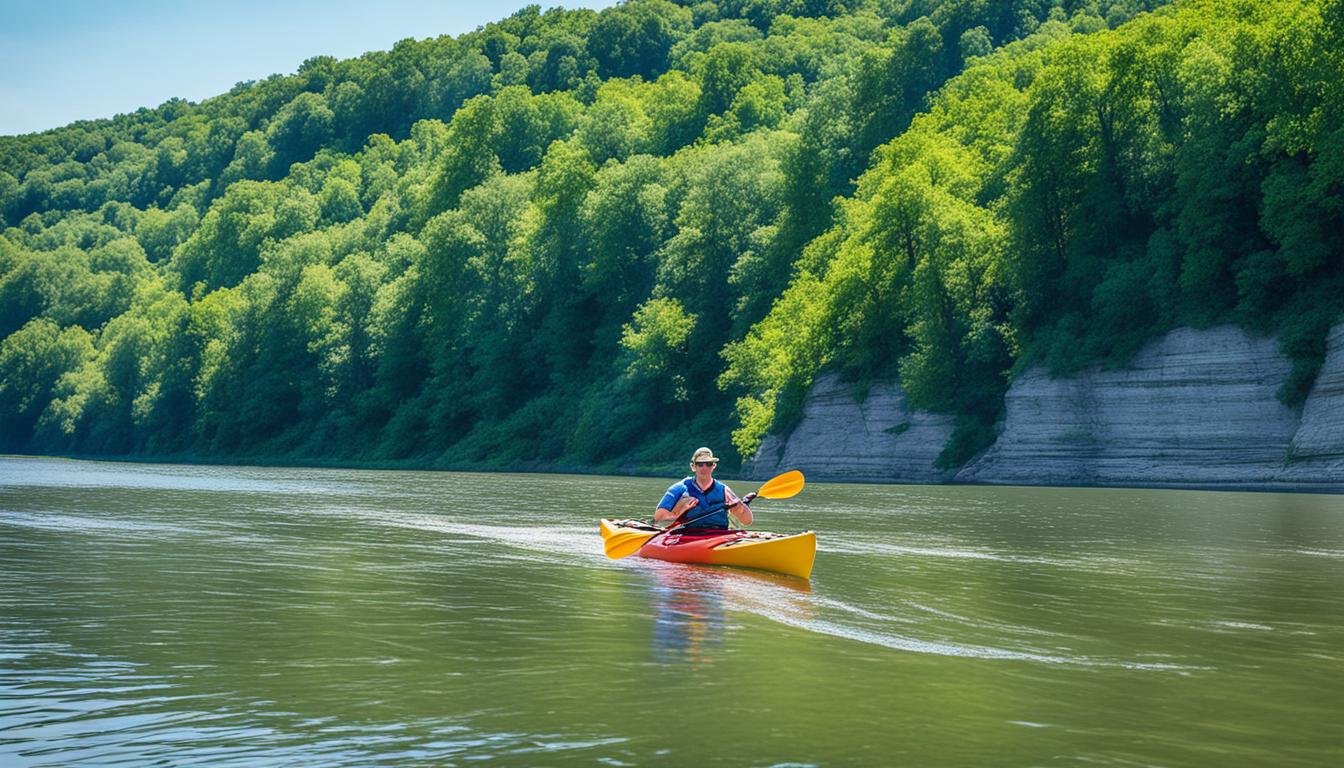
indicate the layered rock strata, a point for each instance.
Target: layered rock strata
{"x":1193,"y":408}
{"x":1316,"y":455}
{"x":878,"y":439}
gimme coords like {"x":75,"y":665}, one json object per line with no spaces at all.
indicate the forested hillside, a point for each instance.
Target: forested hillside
{"x":578,"y":239}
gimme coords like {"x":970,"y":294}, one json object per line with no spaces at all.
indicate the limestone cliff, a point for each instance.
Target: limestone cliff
{"x":1193,"y":408}
{"x":840,"y":438}
{"x":1316,"y":455}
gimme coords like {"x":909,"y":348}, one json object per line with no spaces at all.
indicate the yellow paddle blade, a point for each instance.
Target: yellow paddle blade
{"x":782,"y":486}
{"x":626,"y":543}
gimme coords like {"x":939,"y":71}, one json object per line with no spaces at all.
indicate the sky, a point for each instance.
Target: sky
{"x":67,"y":60}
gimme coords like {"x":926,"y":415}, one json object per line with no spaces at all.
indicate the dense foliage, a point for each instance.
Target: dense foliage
{"x":578,"y":239}
{"x":1070,"y":196}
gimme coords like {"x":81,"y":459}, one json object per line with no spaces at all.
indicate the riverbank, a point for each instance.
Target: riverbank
{"x":729,"y":477}
{"x":1194,"y":409}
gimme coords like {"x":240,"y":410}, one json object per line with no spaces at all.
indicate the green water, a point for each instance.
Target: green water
{"x":235,"y":616}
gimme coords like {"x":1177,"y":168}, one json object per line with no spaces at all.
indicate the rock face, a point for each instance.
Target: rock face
{"x":1193,"y":408}
{"x":1317,"y":451}
{"x":839,"y":438}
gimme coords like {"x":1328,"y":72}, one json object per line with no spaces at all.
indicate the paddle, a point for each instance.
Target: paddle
{"x":626,"y":543}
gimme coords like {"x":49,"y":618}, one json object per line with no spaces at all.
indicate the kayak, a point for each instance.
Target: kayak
{"x":788,"y":553}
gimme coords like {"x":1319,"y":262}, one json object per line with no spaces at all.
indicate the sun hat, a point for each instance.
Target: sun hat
{"x":703,"y":454}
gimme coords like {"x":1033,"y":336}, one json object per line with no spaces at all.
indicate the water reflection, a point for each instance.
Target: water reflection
{"x":691,"y":618}
{"x":693,"y":603}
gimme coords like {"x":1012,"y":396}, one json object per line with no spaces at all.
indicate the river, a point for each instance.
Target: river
{"x":236,"y":616}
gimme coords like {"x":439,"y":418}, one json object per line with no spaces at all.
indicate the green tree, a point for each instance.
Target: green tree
{"x":636,"y":38}
{"x":32,"y":361}
{"x":228,"y":245}
{"x":655,"y":341}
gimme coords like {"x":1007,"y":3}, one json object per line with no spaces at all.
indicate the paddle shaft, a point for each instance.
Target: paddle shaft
{"x":678,"y":526}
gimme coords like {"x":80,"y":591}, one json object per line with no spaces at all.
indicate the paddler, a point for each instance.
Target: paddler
{"x":700,"y":494}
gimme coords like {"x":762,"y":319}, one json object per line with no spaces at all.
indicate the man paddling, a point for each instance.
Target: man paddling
{"x":700,"y":495}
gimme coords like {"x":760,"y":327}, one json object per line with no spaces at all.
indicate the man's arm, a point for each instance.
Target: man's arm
{"x":663,"y":514}
{"x":738,"y":507}
{"x":674,"y":502}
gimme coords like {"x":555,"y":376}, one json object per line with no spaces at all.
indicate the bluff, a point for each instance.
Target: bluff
{"x":1192,"y":408}
{"x":1316,"y":454}
{"x":841,"y":437}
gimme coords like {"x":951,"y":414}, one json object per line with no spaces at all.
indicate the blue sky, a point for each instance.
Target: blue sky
{"x":67,"y":60}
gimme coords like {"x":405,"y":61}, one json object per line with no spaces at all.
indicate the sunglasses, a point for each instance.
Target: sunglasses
{"x":705,"y":463}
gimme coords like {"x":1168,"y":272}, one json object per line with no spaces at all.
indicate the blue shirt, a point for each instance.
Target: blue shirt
{"x":712,"y":499}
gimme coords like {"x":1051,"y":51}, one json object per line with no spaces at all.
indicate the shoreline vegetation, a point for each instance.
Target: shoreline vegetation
{"x":595,"y":240}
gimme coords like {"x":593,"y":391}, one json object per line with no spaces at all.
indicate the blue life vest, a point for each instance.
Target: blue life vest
{"x":713,"y":499}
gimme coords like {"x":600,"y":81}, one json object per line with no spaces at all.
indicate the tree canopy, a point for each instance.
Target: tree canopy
{"x":593,"y":239}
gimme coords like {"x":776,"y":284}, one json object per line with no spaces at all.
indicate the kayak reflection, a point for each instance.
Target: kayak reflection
{"x":691,"y":618}
{"x":693,"y":602}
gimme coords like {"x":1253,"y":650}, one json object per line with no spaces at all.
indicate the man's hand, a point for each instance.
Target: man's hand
{"x":677,"y":512}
